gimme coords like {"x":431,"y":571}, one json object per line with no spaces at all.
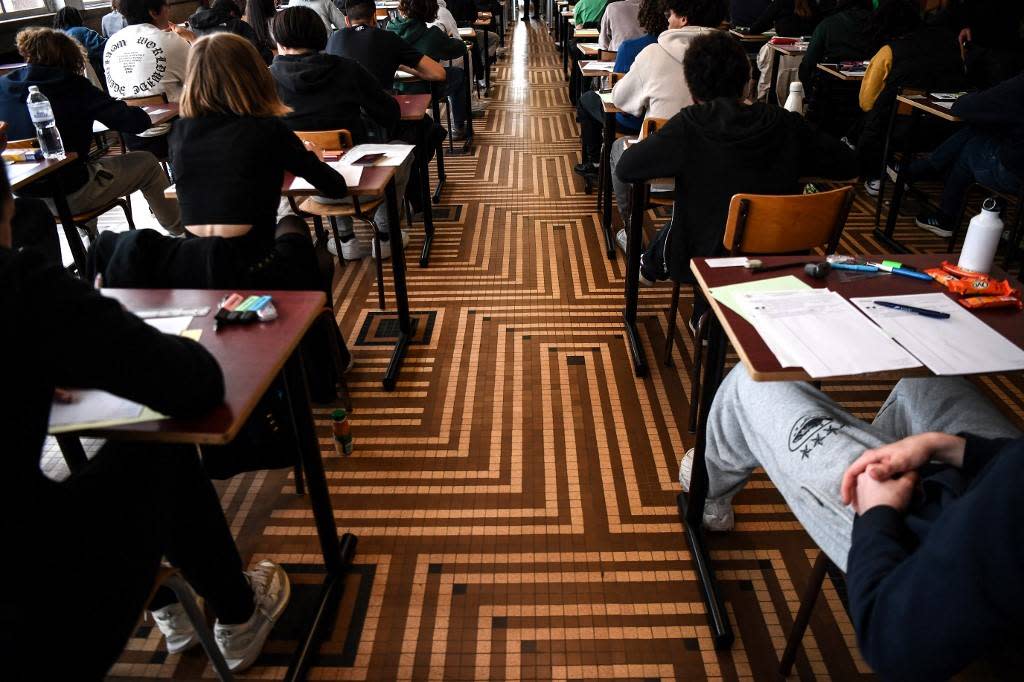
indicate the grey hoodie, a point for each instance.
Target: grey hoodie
{"x":655,"y":85}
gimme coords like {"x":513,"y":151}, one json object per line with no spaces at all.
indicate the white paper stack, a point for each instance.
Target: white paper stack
{"x":962,"y":344}
{"x":820,"y":331}
{"x":352,"y":175}
{"x":394,"y":154}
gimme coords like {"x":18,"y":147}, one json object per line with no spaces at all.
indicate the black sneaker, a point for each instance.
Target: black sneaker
{"x":586,"y":168}
{"x":933,"y":223}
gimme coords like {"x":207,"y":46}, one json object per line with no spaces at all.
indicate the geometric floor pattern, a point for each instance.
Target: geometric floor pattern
{"x":514,"y":497}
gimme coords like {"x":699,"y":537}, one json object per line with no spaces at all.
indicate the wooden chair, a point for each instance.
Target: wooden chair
{"x":151,"y":101}
{"x":83,"y":219}
{"x":606,"y":55}
{"x":768,"y":225}
{"x":661,"y":198}
{"x":172,"y":579}
{"x":341,"y":140}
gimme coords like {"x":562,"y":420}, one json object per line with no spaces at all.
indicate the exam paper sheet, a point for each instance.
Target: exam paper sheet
{"x":352,"y":175}
{"x":821,"y":332}
{"x":962,"y":344}
{"x":394,"y":154}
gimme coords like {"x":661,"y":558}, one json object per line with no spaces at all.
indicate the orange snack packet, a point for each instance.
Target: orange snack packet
{"x":982,"y":302}
{"x":981,"y":287}
{"x":960,"y":272}
{"x":941,"y":276}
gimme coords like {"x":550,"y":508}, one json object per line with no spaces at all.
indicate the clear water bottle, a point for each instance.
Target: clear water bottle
{"x":41,"y":113}
{"x":795,"y":101}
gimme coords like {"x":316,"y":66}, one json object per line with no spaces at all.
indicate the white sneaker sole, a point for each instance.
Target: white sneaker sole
{"x":236,"y":665}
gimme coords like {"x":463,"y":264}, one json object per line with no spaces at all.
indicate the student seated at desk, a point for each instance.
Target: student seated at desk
{"x":913,"y":55}
{"x":327,"y":92}
{"x":225,"y":15}
{"x":588,"y":13}
{"x":743,"y":13}
{"x":590,"y":109}
{"x":325,"y":9}
{"x":69,"y":20}
{"x":621,"y":21}
{"x":988,"y":150}
{"x":412,"y":27}
{"x":91,"y":546}
{"x":838,"y":38}
{"x":719,"y":147}
{"x":147,"y":58}
{"x":113,"y":21}
{"x":381,"y":52}
{"x":55,"y":63}
{"x":790,"y":18}
{"x":259,"y":14}
{"x":230,"y":152}
{"x":932,"y":545}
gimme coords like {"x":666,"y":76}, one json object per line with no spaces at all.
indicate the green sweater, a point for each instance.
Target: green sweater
{"x":430,"y":40}
{"x":588,"y":11}
{"x":840,"y":37}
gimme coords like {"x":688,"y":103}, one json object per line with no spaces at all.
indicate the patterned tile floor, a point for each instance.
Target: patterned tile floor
{"x":514,"y":498}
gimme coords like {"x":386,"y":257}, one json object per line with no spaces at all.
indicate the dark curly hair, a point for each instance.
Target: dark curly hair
{"x":424,"y":10}
{"x":652,"y":17}
{"x":715,"y":66}
{"x":709,"y":13}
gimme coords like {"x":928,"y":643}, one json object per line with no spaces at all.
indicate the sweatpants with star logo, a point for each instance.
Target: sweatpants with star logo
{"x":805,"y":441}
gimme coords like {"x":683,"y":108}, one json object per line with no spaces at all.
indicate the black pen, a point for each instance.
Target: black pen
{"x":913,"y":309}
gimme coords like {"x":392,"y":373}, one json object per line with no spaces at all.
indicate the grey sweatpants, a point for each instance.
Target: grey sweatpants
{"x":805,"y":441}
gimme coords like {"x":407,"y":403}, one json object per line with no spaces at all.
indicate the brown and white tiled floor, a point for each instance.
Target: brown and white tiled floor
{"x":514,"y":498}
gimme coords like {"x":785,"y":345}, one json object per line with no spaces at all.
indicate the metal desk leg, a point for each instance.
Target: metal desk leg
{"x":74,"y":453}
{"x":634,"y":244}
{"x":401,"y":293}
{"x":898,"y":190}
{"x":605,"y":190}
{"x":691,"y":506}
{"x":883,"y":174}
{"x":566,"y":39}
{"x":435,"y":108}
{"x":487,"y":63}
{"x":423,"y":168}
{"x":467,"y":62}
{"x":773,"y":95}
{"x":71,"y":233}
{"x":337,"y":555}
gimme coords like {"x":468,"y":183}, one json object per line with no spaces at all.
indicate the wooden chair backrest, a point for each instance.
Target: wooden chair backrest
{"x":152,"y":100}
{"x":28,"y":143}
{"x":768,"y":224}
{"x":332,"y":140}
{"x":650,"y":124}
{"x":606,"y":55}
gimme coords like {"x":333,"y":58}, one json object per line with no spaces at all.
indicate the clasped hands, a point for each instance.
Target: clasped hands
{"x":887,"y":475}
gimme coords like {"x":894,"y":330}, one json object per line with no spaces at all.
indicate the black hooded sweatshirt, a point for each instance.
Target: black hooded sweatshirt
{"x":720,"y":148}
{"x":327,"y":92}
{"x":76,"y":103}
{"x":216,"y":20}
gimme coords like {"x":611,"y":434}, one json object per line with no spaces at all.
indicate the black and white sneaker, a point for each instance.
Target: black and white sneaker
{"x":932,"y":223}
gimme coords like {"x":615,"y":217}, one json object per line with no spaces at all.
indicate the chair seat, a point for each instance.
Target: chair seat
{"x":86,"y":216}
{"x":314,"y":207}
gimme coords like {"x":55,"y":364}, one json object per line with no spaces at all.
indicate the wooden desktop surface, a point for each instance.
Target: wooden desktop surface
{"x":372,"y":183}
{"x":413,"y":107}
{"x":929,"y":105}
{"x":750,"y":37}
{"x":588,"y":72}
{"x":833,"y":70}
{"x":168,"y":112}
{"x":250,"y":356}
{"x":759,"y":359}
{"x":24,"y":173}
{"x":584,"y":33}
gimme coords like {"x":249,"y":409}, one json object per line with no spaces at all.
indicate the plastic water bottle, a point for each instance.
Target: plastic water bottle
{"x":982,"y":240}
{"x":41,"y":113}
{"x":342,"y":431}
{"x":795,"y":101}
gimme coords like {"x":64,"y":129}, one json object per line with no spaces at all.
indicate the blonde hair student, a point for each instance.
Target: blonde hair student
{"x":226,"y":75}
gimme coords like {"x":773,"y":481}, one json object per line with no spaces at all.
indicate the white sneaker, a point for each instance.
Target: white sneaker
{"x":177,"y":629}
{"x":718,"y":514}
{"x":353,"y":249}
{"x":872,"y":186}
{"x":385,"y":247}
{"x":621,"y":238}
{"x":241,"y":644}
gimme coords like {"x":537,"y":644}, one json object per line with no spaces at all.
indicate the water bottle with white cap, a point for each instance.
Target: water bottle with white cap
{"x":982,"y":239}
{"x":795,"y":101}
{"x":41,"y":113}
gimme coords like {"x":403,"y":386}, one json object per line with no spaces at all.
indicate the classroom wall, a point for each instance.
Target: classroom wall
{"x":180,"y":10}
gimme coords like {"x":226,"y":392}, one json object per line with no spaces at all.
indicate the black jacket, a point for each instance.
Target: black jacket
{"x":76,"y":104}
{"x":327,"y":92}
{"x":126,"y":356}
{"x":1000,"y":111}
{"x":242,"y":187}
{"x":721,"y":148}
{"x":935,"y":589}
{"x":207,"y":21}
{"x":781,"y":15}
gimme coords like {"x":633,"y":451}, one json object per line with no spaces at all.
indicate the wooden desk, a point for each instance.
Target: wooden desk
{"x":587,"y":70}
{"x":588,"y":49}
{"x":920,"y":106}
{"x":167,"y":112}
{"x":24,"y":174}
{"x":7,"y":68}
{"x":436,"y":95}
{"x":763,"y":366}
{"x":751,"y":37}
{"x":414,"y":108}
{"x":833,"y":71}
{"x":586,"y":33}
{"x":484,"y":21}
{"x":252,"y":358}
{"x":778,"y":52}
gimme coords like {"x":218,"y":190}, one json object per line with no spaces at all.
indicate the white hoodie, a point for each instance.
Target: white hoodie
{"x":655,"y":85}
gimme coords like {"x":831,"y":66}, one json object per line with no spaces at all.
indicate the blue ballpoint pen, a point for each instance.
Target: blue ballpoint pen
{"x":855,"y":266}
{"x":913,"y":309}
{"x":913,"y":274}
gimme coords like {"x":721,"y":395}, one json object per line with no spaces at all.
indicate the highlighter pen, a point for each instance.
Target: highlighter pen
{"x":226,"y":306}
{"x":260,"y":304}
{"x":913,"y":274}
{"x":913,"y":309}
